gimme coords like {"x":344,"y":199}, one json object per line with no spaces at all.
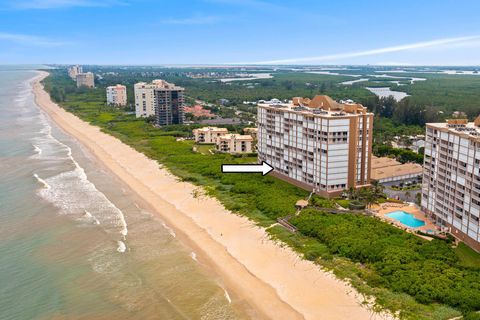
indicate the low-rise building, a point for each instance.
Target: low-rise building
{"x":85,"y":80}
{"x":208,"y":134}
{"x":451,"y":178}
{"x":234,"y":143}
{"x":117,"y":95}
{"x":252,"y":132}
{"x":390,"y":170}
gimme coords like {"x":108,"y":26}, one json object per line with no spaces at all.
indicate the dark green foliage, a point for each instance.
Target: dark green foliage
{"x":430,"y":271}
{"x":402,"y":155}
{"x":356,"y":205}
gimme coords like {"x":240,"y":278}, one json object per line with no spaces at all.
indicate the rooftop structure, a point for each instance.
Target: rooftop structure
{"x":318,"y":144}
{"x":387,"y":169}
{"x":451,"y":178}
{"x":208,"y":134}
{"x":117,"y":95}
{"x":234,"y":143}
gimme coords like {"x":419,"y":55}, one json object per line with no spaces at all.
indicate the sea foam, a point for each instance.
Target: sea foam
{"x":45,"y":184}
{"x":121,"y":246}
{"x":73,"y":192}
{"x":170,"y":230}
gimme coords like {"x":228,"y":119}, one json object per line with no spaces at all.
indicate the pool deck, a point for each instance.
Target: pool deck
{"x":385,"y":208}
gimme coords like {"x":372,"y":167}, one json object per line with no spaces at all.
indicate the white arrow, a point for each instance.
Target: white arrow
{"x":264,"y":168}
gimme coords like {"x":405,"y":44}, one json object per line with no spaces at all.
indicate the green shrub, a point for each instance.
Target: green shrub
{"x":356,"y":205}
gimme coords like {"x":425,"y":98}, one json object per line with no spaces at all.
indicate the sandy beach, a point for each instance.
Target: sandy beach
{"x":272,"y":279}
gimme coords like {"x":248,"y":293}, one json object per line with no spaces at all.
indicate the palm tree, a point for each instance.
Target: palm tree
{"x":352,"y":193}
{"x":377,"y":188}
{"x":407,"y":195}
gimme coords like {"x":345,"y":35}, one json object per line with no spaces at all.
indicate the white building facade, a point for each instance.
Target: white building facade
{"x":234,"y":143}
{"x":451,"y":178}
{"x":208,"y":134}
{"x":144,"y":99}
{"x":317,"y":144}
{"x":117,"y":95}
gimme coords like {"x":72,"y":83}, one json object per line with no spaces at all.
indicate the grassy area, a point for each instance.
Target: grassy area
{"x":380,"y":260}
{"x":468,"y":256}
{"x":204,"y":148}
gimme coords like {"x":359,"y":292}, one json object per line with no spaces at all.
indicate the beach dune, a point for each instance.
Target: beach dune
{"x":272,"y":279}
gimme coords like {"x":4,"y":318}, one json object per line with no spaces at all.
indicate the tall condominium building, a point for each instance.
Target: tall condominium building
{"x":117,"y":95}
{"x":451,"y":178}
{"x":145,"y":97}
{"x":74,"y":70}
{"x":85,"y":80}
{"x":168,"y":104}
{"x":317,"y":144}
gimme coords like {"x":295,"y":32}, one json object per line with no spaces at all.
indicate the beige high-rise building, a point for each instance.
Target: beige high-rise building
{"x":85,"y":80}
{"x":208,"y":134}
{"x":74,"y":70}
{"x":451,"y":178}
{"x":117,"y":95}
{"x":234,"y":143}
{"x":318,"y":144}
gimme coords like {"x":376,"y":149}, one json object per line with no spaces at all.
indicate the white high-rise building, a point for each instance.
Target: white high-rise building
{"x":451,"y":178}
{"x":145,"y":97}
{"x":117,"y":95}
{"x":317,"y":144}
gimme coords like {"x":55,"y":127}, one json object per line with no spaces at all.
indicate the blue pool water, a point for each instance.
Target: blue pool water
{"x":406,"y":219}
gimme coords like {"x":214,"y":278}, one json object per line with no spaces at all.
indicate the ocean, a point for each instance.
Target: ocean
{"x":75,"y":242}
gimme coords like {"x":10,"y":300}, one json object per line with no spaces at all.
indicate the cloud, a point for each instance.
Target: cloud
{"x":192,"y":20}
{"x":54,"y":4}
{"x":30,"y":40}
{"x":407,"y":47}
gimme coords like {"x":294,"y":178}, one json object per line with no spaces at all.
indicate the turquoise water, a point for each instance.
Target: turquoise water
{"x":406,"y":218}
{"x":76,"y":243}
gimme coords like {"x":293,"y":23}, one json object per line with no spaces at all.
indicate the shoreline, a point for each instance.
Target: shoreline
{"x":272,"y":279}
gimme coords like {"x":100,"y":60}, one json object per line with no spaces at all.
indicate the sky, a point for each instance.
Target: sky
{"x":158,"y":32}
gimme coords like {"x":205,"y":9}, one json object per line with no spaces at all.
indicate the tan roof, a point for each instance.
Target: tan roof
{"x":477,"y":121}
{"x":382,"y":162}
{"x":205,"y":129}
{"x":384,"y":168}
{"x":326,"y":103}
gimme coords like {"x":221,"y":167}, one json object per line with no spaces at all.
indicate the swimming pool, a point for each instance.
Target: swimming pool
{"x":406,"y":218}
